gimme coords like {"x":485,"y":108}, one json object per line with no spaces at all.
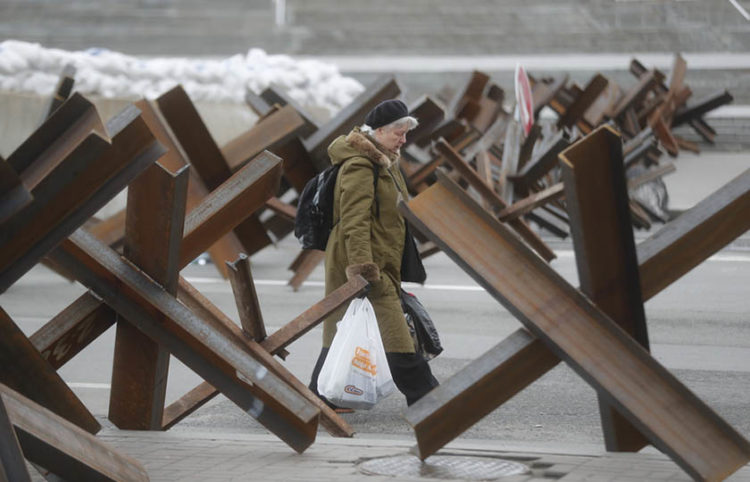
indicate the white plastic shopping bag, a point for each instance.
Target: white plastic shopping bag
{"x":355,"y":373}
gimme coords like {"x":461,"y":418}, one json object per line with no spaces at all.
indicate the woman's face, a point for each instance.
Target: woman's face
{"x":392,"y":138}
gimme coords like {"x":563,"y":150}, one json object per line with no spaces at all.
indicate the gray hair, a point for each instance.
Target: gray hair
{"x":409,"y":122}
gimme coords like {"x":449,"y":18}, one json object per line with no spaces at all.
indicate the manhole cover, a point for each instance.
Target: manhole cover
{"x":443,"y":467}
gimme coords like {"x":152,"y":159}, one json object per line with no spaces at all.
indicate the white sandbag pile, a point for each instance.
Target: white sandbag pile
{"x":32,"y":68}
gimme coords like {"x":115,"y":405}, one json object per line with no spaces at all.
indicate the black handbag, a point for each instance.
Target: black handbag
{"x":421,"y":327}
{"x":412,"y":269}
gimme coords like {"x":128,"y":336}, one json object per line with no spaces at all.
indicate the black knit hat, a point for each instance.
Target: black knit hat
{"x":385,"y":113}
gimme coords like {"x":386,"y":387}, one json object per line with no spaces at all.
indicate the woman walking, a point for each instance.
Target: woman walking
{"x":368,"y":238}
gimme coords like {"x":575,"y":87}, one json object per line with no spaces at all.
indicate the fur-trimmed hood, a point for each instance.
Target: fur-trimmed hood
{"x":357,"y":143}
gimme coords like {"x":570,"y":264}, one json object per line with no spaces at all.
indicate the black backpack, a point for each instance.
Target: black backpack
{"x":314,"y":220}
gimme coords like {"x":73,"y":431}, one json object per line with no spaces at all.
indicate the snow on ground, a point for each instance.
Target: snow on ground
{"x":32,"y":68}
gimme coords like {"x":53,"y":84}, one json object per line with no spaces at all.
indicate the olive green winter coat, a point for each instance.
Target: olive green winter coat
{"x":366,"y":242}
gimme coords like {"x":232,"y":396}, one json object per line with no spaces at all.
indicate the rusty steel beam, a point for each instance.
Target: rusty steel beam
{"x":246,"y":298}
{"x":228,"y":246}
{"x":257,"y":103}
{"x":306,"y":262}
{"x":202,"y":307}
{"x":62,"y":90}
{"x":298,"y":166}
{"x":430,"y":115}
{"x":187,"y":404}
{"x":110,"y":231}
{"x":209,"y":349}
{"x":51,"y":442}
{"x":470,"y":175}
{"x":14,"y":196}
{"x":575,"y":111}
{"x":209,"y":162}
{"x":193,"y":136}
{"x":598,"y":205}
{"x":543,"y":93}
{"x":696,"y":234}
{"x":652,"y":399}
{"x":153,"y":232}
{"x":472,"y":90}
{"x":269,"y":133}
{"x":55,"y":139}
{"x":381,"y":89}
{"x":12,"y":464}
{"x":276,"y":95}
{"x":23,"y":369}
{"x":646,"y":82}
{"x":84,"y":182}
{"x":703,"y":106}
{"x":73,"y":329}
{"x":290,"y":332}
{"x":689,"y":239}
{"x":228,"y":205}
{"x":536,"y":168}
{"x":531,"y":202}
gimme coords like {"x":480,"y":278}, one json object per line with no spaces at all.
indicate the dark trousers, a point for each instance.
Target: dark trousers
{"x":410,"y":373}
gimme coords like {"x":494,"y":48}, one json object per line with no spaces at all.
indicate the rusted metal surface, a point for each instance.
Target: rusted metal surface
{"x":209,"y":162}
{"x":304,"y":265}
{"x":544,"y":92}
{"x":268,"y":133}
{"x":228,"y":246}
{"x":541,"y":164}
{"x":573,"y":115}
{"x":274,"y":94}
{"x":472,"y":392}
{"x":297,"y":163}
{"x":429,"y":113}
{"x":193,"y":135}
{"x":110,"y":231}
{"x":285,"y":335}
{"x":23,"y":369}
{"x":72,"y":330}
{"x":62,"y":448}
{"x":223,"y":209}
{"x":257,"y":103}
{"x":700,"y":107}
{"x":597,"y":199}
{"x":187,"y":404}
{"x":464,"y":102}
{"x":80,"y":185}
{"x":570,"y":325}
{"x":202,"y":307}
{"x":12,"y":464}
{"x":62,"y":90}
{"x":246,"y":298}
{"x":531,"y":202}
{"x":636,"y":94}
{"x":691,"y":238}
{"x":287,"y":211}
{"x":13,"y":194}
{"x":209,"y":349}
{"x":685,"y":242}
{"x":383,"y":88}
{"x":487,"y":193}
{"x":652,"y":174}
{"x":55,"y":139}
{"x":153,"y":232}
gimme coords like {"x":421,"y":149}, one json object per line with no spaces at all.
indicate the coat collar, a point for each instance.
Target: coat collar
{"x":371,"y":148}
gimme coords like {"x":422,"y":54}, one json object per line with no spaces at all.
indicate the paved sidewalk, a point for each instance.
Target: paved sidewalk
{"x":219,"y":457}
